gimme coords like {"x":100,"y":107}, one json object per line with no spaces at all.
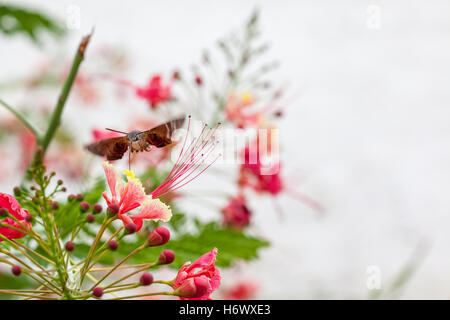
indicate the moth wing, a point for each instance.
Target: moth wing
{"x":161,"y":135}
{"x":112,"y":148}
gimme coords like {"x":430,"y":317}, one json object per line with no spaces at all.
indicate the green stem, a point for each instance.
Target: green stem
{"x":55,"y":120}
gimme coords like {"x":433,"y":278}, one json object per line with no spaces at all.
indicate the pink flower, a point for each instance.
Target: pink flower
{"x":267,"y":179}
{"x":202,"y":276}
{"x":236,"y":212}
{"x":9,"y":203}
{"x":243,"y":290}
{"x":100,"y":134}
{"x":129,"y":195}
{"x":27,"y":144}
{"x":237,"y":111}
{"x":155,"y":92}
{"x":251,"y":173}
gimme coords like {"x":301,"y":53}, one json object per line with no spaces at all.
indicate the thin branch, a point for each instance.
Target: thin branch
{"x":55,"y":120}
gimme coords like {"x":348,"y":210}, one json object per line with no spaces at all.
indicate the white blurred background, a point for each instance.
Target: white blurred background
{"x":370,"y":130}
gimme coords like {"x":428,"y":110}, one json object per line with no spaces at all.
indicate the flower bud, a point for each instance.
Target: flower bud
{"x":194,"y":287}
{"x":97,"y":208}
{"x":69,"y":246}
{"x":3,"y":212}
{"x":71,"y":197}
{"x":29,"y":218}
{"x":17,"y":191}
{"x":130,"y":228}
{"x":84,"y":206}
{"x":97,"y":292}
{"x":113,"y":245}
{"x":90,"y":218}
{"x":198,"y":80}
{"x":176,"y":75}
{"x":80,"y":197}
{"x":16,"y":270}
{"x":55,"y":205}
{"x":146,"y":279}
{"x":158,"y":237}
{"x":113,"y":209}
{"x":59,"y":182}
{"x":166,"y":257}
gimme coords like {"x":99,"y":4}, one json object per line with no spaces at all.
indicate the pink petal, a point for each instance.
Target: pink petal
{"x":205,"y":260}
{"x":153,"y":209}
{"x":131,"y":196}
{"x":112,"y":177}
{"x":10,"y":203}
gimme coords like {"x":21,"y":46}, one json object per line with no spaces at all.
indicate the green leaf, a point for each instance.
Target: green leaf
{"x":232,"y":245}
{"x":16,"y":20}
{"x":93,"y":195}
{"x":9,"y":281}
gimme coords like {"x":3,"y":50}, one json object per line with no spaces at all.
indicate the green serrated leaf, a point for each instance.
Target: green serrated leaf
{"x":231,"y":244}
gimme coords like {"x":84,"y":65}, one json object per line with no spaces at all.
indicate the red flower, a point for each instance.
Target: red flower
{"x":9,"y":203}
{"x":100,"y":134}
{"x":27,"y":144}
{"x":238,"y":111}
{"x":254,"y":174}
{"x":236,"y":213}
{"x":266,"y":179}
{"x":155,"y":93}
{"x":202,"y":276}
{"x":243,"y":290}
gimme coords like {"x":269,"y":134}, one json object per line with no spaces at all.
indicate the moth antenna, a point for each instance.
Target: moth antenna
{"x":115,"y":131}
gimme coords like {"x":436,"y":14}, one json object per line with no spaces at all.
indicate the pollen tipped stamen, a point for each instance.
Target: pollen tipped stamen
{"x":178,"y":187}
{"x":189,"y":161}
{"x":196,"y":164}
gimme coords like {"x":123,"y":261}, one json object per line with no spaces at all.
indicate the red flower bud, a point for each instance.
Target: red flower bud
{"x":113,"y":245}
{"x":71,"y":197}
{"x":16,"y":270}
{"x":113,"y":209}
{"x":130,"y":227}
{"x":80,"y":197}
{"x":17,"y":191}
{"x":55,"y":205}
{"x":84,"y":206}
{"x":194,"y":287}
{"x":29,"y":218}
{"x":166,"y":257}
{"x":90,"y":218}
{"x":3,"y":212}
{"x":198,"y":80}
{"x":97,"y":208}
{"x":146,"y":279}
{"x":158,"y":237}
{"x":69,"y":246}
{"x":176,"y":75}
{"x":97,"y":292}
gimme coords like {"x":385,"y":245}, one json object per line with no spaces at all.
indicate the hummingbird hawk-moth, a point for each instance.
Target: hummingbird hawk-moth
{"x":136,"y":141}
